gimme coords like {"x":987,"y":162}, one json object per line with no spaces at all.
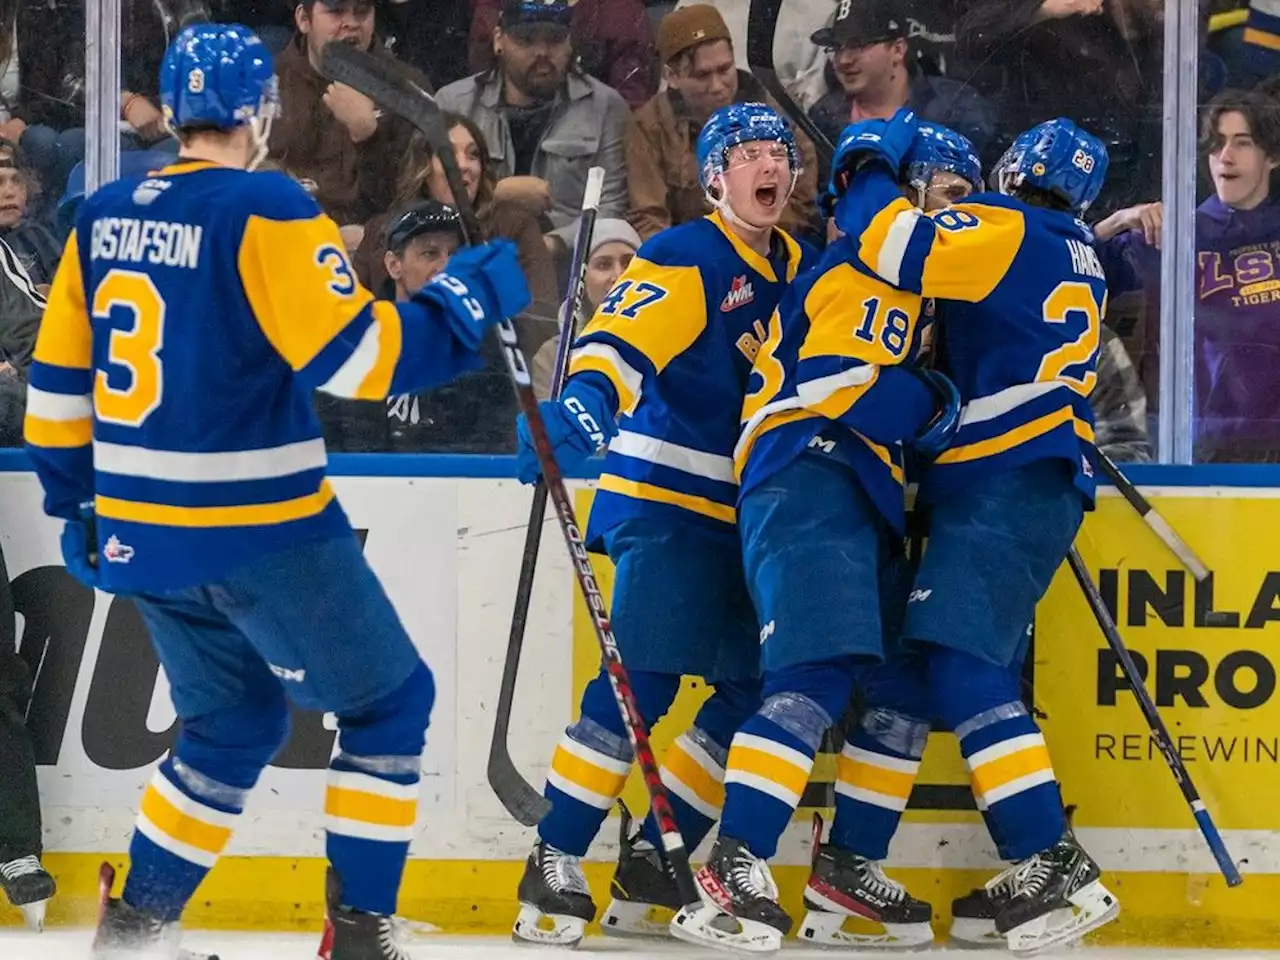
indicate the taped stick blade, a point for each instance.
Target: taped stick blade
{"x":525,"y":804}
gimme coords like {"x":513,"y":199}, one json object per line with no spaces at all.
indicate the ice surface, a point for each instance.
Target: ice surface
{"x":16,"y":944}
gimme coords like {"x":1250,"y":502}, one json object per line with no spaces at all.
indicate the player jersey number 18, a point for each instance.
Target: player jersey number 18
{"x":137,"y":348}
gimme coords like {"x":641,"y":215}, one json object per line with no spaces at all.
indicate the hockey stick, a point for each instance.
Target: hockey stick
{"x":521,"y":799}
{"x":762,"y":23}
{"x":1158,"y":524}
{"x":396,"y":92}
{"x":1159,"y":732}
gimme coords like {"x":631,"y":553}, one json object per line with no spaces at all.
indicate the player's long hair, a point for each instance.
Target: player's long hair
{"x":415,"y":170}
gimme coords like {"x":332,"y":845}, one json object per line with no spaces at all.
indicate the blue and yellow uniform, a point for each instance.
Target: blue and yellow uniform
{"x":676,"y":338}
{"x":193,"y":314}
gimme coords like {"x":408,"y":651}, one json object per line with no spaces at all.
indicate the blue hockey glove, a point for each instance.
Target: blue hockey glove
{"x":480,"y":286}
{"x":579,"y":425}
{"x":937,"y":433}
{"x":886,"y":141}
{"x":80,"y":546}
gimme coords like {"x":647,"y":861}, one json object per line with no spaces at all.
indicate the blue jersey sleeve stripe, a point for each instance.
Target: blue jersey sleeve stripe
{"x":352,"y":348}
{"x":226,"y":494}
{"x":72,"y":381}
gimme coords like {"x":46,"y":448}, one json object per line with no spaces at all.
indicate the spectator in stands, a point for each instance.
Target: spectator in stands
{"x":873,"y":74}
{"x":1099,"y":63}
{"x":610,"y":37}
{"x":31,"y":241}
{"x":21,"y":309}
{"x":1119,"y":404}
{"x":544,"y":120}
{"x":422,"y":177}
{"x":701,"y":76}
{"x":1237,"y":340}
{"x":475,"y":414}
{"x":329,"y":136}
{"x":613,"y":245}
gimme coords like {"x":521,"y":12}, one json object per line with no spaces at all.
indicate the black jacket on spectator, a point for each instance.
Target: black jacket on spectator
{"x":935,"y":99}
{"x":36,"y":249}
{"x":1081,"y":67}
{"x":21,"y":309}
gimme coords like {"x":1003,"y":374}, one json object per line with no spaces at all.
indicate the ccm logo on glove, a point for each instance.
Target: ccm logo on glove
{"x":585,"y":420}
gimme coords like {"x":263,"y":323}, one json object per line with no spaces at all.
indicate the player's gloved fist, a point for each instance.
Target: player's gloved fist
{"x":579,"y":425}
{"x":886,"y":141}
{"x":481,"y":286}
{"x":937,"y":433}
{"x":80,"y":546}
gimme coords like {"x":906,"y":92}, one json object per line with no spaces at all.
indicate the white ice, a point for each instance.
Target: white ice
{"x":74,"y":945}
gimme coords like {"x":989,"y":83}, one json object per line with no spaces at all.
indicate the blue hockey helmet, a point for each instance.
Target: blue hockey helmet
{"x":218,"y":75}
{"x":940,"y":148}
{"x":742,"y":123}
{"x":1059,"y":158}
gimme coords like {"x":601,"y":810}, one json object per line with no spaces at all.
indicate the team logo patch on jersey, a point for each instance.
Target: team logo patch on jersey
{"x":739,"y":295}
{"x":117,"y":552}
{"x":145,"y":192}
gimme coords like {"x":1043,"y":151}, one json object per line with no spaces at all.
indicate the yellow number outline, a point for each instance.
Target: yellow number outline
{"x":769,"y":368}
{"x":136,"y":349}
{"x":1072,"y":296}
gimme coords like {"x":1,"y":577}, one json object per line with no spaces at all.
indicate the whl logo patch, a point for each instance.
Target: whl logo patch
{"x":116,"y":552}
{"x":739,"y":295}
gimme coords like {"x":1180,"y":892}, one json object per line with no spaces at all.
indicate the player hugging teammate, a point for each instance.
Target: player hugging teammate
{"x":1005,"y":436}
{"x":659,"y":375}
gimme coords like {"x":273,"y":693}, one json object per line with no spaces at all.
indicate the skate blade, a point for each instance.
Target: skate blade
{"x":1094,"y":905}
{"x":640,"y":921}
{"x":975,"y":933}
{"x":33,"y":914}
{"x":824,"y":928}
{"x":709,"y":926}
{"x":547,"y":929}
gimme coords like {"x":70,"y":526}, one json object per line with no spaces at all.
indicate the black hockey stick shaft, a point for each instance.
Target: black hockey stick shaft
{"x":1158,"y":524}
{"x":1159,"y":732}
{"x":762,"y":23}
{"x":396,"y":92}
{"x":520,"y":798}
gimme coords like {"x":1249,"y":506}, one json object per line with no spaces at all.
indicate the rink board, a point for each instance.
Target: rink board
{"x":445,"y":535}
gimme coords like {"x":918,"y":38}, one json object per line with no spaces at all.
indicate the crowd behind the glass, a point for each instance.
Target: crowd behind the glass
{"x":539,"y":91}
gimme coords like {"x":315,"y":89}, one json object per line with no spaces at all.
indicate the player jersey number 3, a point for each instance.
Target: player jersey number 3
{"x":135,"y":347}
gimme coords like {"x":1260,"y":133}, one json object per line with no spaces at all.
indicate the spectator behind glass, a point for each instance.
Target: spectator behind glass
{"x":1099,"y":62}
{"x":31,"y":241}
{"x":872,"y":74}
{"x":328,"y":136}
{"x":701,"y":77}
{"x":1237,"y":338}
{"x":613,"y":246}
{"x":611,"y":38}
{"x":543,"y":119}
{"x":474,"y":414}
{"x":421,"y":177}
{"x":21,"y":310}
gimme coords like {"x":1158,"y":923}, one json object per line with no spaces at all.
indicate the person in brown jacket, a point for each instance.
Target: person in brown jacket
{"x":328,"y":136}
{"x":662,"y":171}
{"x":421,"y":177}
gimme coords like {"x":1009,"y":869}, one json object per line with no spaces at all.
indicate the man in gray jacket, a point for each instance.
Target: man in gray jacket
{"x":545,"y":121}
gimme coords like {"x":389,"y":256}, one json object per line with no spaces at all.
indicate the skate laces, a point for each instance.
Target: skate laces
{"x":563,"y":871}
{"x":21,"y":867}
{"x":751,"y":873}
{"x":389,"y":939}
{"x":1030,"y":876}
{"x":1001,"y":885}
{"x":873,"y":876}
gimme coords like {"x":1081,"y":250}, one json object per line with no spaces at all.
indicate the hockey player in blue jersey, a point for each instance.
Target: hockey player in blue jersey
{"x":1018,"y":329}
{"x":169,"y":419}
{"x":659,"y":374}
{"x":834,"y":392}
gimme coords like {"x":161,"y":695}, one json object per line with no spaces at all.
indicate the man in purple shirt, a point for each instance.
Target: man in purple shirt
{"x":1237,"y":338}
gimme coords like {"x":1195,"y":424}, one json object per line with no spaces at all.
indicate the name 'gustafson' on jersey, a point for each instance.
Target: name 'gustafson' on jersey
{"x":680,"y":370}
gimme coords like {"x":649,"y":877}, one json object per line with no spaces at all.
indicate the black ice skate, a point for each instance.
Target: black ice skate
{"x":740,"y":908}
{"x":128,"y":934}
{"x":1057,"y":898}
{"x":974,"y":914}
{"x":555,"y":901}
{"x":355,"y":935}
{"x":643,"y":889}
{"x":29,"y":887}
{"x":844,"y":885}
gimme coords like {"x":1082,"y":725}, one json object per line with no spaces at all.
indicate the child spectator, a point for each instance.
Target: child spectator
{"x":31,"y":241}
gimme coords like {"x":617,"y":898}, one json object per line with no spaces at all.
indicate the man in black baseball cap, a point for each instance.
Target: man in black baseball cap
{"x":420,"y":241}
{"x":861,"y":23}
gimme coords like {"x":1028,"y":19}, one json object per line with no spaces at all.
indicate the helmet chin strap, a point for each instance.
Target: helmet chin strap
{"x":726,"y":210}
{"x":260,"y":134}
